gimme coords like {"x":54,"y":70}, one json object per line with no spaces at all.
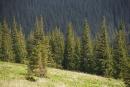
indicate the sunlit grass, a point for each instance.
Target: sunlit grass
{"x":13,"y":75}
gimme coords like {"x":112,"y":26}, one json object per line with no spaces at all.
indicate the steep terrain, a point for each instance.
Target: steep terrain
{"x":60,"y":12}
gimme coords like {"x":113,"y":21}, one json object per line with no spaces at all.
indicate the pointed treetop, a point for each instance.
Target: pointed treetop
{"x":57,"y":29}
{"x":5,"y":23}
{"x":86,"y":26}
{"x":85,"y":22}
{"x":39,"y":25}
{"x":70,"y":27}
{"x":122,"y":25}
{"x":14,"y":25}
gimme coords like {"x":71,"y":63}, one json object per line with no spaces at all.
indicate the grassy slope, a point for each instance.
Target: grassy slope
{"x":13,"y":75}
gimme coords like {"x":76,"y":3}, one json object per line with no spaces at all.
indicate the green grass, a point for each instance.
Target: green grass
{"x":13,"y":75}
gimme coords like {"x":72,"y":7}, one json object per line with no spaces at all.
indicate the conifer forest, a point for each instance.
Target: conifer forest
{"x":87,"y":37}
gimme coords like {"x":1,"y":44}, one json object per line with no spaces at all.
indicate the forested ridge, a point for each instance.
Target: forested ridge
{"x":60,"y":12}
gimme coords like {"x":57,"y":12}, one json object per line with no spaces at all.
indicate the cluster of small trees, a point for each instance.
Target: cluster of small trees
{"x":98,"y":55}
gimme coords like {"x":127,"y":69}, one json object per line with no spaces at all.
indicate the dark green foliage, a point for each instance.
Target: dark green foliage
{"x":37,"y":60}
{"x":22,"y":42}
{"x":50,"y":61}
{"x":19,"y":46}
{"x":6,"y":44}
{"x":70,"y":53}
{"x":103,"y":55}
{"x":87,"y":55}
{"x":77,"y":54}
{"x":38,"y":48}
{"x":14,"y":33}
{"x":31,"y":78}
{"x":120,"y":54}
{"x":127,"y":77}
{"x":57,"y":46}
{"x":68,"y":62}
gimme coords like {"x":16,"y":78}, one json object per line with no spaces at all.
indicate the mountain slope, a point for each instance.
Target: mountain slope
{"x":60,"y":12}
{"x":12,"y":75}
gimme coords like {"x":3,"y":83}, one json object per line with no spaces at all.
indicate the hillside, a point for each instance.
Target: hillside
{"x":60,"y":12}
{"x":13,"y":75}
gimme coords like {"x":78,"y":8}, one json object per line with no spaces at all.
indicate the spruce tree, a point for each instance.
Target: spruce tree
{"x":104,"y":60}
{"x":57,"y":46}
{"x":22,"y":42}
{"x":87,"y":58}
{"x":38,"y":48}
{"x":19,"y":46}
{"x":120,"y":53}
{"x":68,"y":62}
{"x":14,"y":33}
{"x":6,"y":44}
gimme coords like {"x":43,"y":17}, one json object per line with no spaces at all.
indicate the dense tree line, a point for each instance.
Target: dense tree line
{"x":60,"y":12}
{"x":96,"y":55}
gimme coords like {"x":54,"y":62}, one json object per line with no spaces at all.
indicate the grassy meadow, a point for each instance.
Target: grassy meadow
{"x":13,"y":75}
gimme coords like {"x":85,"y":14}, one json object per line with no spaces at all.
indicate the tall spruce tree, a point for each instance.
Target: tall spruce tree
{"x":22,"y":43}
{"x":14,"y":33}
{"x":57,"y":46}
{"x":104,"y":60}
{"x":87,"y":55}
{"x":68,"y":62}
{"x":37,"y":51}
{"x":120,"y":53}
{"x":6,"y":44}
{"x":18,"y":43}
